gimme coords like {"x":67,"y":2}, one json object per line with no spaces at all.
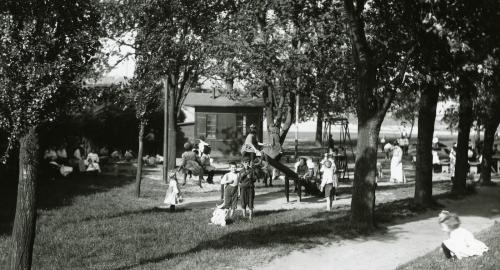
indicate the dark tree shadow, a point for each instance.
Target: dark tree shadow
{"x":55,"y":193}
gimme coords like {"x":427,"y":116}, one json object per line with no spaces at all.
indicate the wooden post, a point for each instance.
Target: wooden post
{"x":287,"y":186}
{"x":165,"y":131}
{"x":297,"y":101}
{"x":299,"y":191}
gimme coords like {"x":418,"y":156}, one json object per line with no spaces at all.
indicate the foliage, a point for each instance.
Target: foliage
{"x":46,"y":47}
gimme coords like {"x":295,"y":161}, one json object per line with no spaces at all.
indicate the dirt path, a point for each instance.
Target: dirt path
{"x":404,"y":241}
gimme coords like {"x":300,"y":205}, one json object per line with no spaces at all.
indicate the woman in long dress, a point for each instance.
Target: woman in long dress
{"x":397,"y":174}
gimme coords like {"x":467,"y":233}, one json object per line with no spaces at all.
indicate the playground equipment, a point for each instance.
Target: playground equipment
{"x":272,"y":156}
{"x":344,"y":141}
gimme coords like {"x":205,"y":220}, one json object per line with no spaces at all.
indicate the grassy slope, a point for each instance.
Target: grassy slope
{"x":490,"y":260}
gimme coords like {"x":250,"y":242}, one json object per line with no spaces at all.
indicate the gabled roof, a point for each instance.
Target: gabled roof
{"x":207,"y":100}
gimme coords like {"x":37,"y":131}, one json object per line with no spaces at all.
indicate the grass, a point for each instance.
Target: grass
{"x":97,"y":223}
{"x":490,"y":260}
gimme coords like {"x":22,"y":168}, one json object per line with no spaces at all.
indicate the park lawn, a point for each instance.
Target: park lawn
{"x":96,"y":223}
{"x":490,"y":260}
{"x":110,"y":229}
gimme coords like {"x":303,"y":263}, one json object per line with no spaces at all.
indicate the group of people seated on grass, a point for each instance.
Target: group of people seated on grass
{"x":60,"y":164}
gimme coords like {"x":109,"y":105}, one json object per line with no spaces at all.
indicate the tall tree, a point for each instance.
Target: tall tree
{"x":473,"y":38}
{"x":145,"y":96}
{"x":172,"y":39}
{"x":429,"y":67}
{"x":380,"y":68}
{"x":47,"y":46}
{"x":490,"y":104}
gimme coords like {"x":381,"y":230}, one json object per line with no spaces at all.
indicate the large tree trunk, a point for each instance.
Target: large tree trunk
{"x":319,"y":128}
{"x":23,"y":234}
{"x":370,"y":116}
{"x":172,"y":125}
{"x":138,"y":175}
{"x":423,"y":171}
{"x":489,"y":140}
{"x":363,"y":195}
{"x":464,"y":126}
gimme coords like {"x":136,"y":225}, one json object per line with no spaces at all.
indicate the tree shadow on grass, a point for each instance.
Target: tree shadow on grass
{"x":56,"y":193}
{"x":307,"y":233}
{"x":130,"y":213}
{"x":334,"y":226}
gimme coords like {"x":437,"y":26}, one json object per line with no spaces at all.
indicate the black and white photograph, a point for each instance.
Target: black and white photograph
{"x":249,"y":134}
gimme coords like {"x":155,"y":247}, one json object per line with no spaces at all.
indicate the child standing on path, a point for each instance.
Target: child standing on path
{"x":329,"y":183}
{"x":207,"y":165}
{"x":173,"y":195}
{"x":247,"y":187}
{"x":230,"y":180}
{"x":461,"y":243}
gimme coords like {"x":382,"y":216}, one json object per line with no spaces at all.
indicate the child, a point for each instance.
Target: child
{"x":92,"y":162}
{"x":190,"y":164}
{"x":173,"y":195}
{"x":329,"y":183}
{"x":247,"y":187}
{"x":207,"y":166}
{"x":301,"y":170}
{"x":461,"y":243}
{"x":329,"y":156}
{"x":230,"y":181}
{"x":219,"y":217}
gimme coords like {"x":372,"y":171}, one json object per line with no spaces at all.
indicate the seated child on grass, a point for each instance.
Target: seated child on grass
{"x":461,"y":242}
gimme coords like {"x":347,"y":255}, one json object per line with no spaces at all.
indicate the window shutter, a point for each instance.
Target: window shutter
{"x":201,"y":125}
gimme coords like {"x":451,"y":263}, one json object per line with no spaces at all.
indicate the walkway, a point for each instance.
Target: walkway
{"x":403,"y":242}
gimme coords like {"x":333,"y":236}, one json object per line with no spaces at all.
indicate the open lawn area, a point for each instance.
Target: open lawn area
{"x":490,"y":260}
{"x":95,"y":222}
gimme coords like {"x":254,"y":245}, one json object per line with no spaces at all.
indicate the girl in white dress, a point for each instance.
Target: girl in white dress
{"x":461,"y":242}
{"x":173,"y":196}
{"x":397,"y":175}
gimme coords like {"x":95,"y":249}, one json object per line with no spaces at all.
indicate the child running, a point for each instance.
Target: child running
{"x":230,"y":181}
{"x":329,"y":183}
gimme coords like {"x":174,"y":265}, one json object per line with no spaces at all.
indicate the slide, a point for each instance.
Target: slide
{"x":281,"y":167}
{"x":310,"y":187}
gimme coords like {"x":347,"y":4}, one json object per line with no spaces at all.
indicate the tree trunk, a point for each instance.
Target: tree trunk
{"x":165,"y":129}
{"x":489,"y":140}
{"x":423,"y":170}
{"x":172,"y":125}
{"x":464,"y":126}
{"x":319,"y":128}
{"x":23,"y":234}
{"x":363,"y":195}
{"x":411,"y":129}
{"x":370,"y":116}
{"x":138,"y":175}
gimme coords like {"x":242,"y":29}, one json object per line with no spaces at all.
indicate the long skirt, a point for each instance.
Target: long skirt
{"x":397,"y":175}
